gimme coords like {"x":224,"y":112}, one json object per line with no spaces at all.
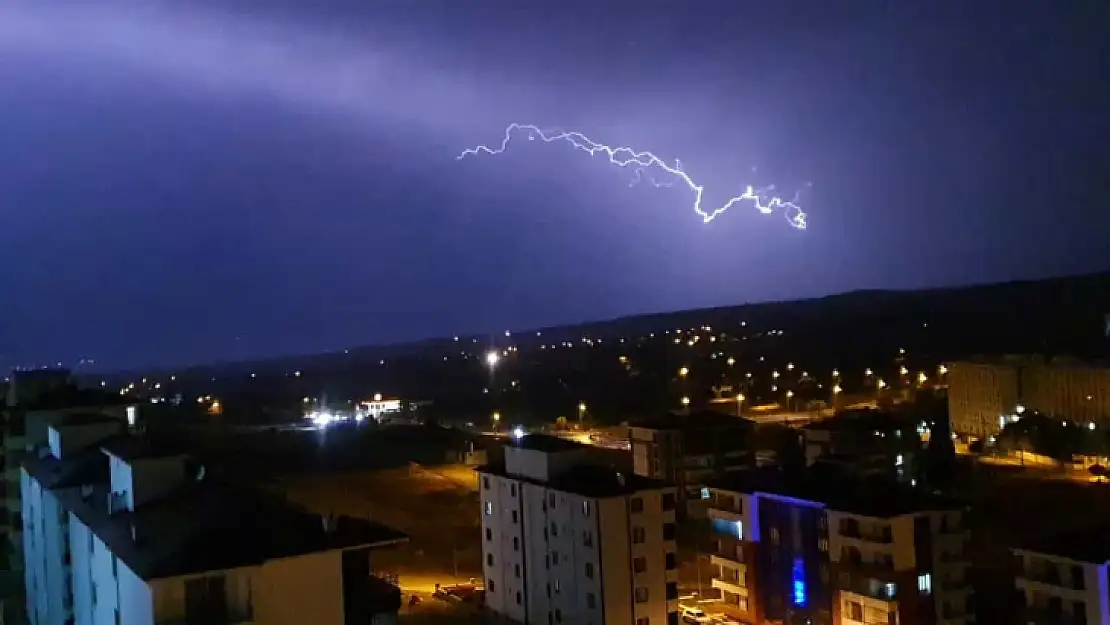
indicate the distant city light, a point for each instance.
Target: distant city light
{"x":518,"y":432}
{"x":492,"y":358}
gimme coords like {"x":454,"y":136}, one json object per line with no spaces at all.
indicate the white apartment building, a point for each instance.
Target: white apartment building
{"x":1063,"y":580}
{"x":134,"y":535}
{"x":568,"y":540}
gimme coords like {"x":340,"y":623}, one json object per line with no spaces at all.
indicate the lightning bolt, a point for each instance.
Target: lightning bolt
{"x":626,"y":157}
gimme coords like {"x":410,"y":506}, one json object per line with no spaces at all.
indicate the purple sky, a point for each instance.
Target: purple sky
{"x":187,"y":181}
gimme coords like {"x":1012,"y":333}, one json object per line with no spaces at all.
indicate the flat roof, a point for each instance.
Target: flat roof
{"x":873,"y":496}
{"x":547,"y":443}
{"x":862,"y":420}
{"x":135,"y":447}
{"x":211,"y":526}
{"x":695,"y":420}
{"x":85,"y":466}
{"x":1086,"y":545}
{"x":596,"y":482}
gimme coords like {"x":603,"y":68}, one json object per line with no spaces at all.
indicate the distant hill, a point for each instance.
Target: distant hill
{"x":1057,"y":314}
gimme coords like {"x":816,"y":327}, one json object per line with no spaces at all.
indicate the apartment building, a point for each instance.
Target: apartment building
{"x":825,"y":549}
{"x":690,"y":450}
{"x":983,"y":394}
{"x":1063,"y":580}
{"x":121,"y":531}
{"x":569,"y":539}
{"x":866,"y":442}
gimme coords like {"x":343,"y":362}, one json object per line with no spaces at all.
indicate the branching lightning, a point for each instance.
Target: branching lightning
{"x":643,"y":163}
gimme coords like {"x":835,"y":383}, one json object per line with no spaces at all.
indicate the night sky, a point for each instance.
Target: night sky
{"x":190,"y":181}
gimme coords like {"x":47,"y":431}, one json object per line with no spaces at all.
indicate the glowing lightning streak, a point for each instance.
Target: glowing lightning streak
{"x":624,"y":156}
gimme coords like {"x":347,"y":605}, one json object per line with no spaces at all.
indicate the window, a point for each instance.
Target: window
{"x":551,"y":500}
{"x":705,"y":494}
{"x":641,"y":594}
{"x":554,"y":557}
{"x":115,"y":566}
{"x":668,"y":501}
{"x":558,"y":616}
{"x":587,"y":539}
{"x":489,"y":508}
{"x":637,"y":535}
{"x":672,"y":590}
{"x":489,"y":584}
{"x":823,"y":545}
{"x":518,"y":597}
{"x":636,"y":505}
{"x":489,"y":534}
{"x":672,"y":561}
{"x":775,"y":537}
{"x":589,"y":570}
{"x":585,"y":508}
{"x":1078,"y":581}
{"x":668,"y":531}
{"x":591,"y":600}
{"x":554,"y":529}
{"x":855,"y":611}
{"x":516,"y":570}
{"x":489,"y":559}
{"x":558,"y":586}
{"x":742,"y":604}
{"x":512,"y":490}
{"x":643,"y":620}
{"x":514,"y":517}
{"x":485,"y":482}
{"x":639,"y":565}
{"x":516,"y":544}
{"x":925,"y":583}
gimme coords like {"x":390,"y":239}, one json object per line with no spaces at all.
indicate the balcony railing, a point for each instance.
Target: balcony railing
{"x":884,"y":537}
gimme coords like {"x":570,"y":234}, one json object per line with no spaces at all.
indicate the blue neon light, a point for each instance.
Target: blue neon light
{"x":799,"y":582}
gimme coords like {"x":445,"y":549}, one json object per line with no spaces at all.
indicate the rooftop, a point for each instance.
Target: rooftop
{"x":862,"y":421}
{"x":87,"y":466}
{"x":547,"y":443}
{"x":695,"y":420}
{"x":877,"y":496}
{"x":134,"y":448}
{"x":209,"y":526}
{"x":588,"y":481}
{"x":1085,"y":545}
{"x":86,"y":418}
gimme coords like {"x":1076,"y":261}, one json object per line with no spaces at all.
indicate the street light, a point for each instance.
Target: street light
{"x":492,"y":358}
{"x":581,"y":410}
{"x":683,"y":372}
{"x":685,"y":401}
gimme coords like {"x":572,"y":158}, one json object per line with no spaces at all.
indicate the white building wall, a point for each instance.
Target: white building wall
{"x":81,"y":570}
{"x":145,"y":479}
{"x":536,"y":563}
{"x":45,"y":542}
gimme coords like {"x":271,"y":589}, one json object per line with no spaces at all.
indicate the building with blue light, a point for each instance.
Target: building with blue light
{"x":820,"y":549}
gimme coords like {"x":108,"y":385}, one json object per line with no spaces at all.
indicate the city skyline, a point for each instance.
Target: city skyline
{"x":195,"y":184}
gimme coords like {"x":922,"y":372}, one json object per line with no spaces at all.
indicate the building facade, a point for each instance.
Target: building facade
{"x":567,"y":539}
{"x":811,"y":550}
{"x":1063,"y":580}
{"x":981,"y":395}
{"x":690,"y":451}
{"x":122,"y":532}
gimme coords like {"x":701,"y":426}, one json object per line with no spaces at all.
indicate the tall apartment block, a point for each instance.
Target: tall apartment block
{"x":983,"y":394}
{"x":1062,"y":580}
{"x":119,"y":531}
{"x":691,"y":450}
{"x":568,"y":539}
{"x":813,"y":548}
{"x":34,"y":400}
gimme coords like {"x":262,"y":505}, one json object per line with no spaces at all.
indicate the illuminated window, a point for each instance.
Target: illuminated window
{"x":489,"y":508}
{"x":925,"y":583}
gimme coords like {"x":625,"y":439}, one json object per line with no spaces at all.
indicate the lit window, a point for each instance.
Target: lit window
{"x":925,"y":583}
{"x":705,"y":493}
{"x":489,"y":508}
{"x":586,"y":508}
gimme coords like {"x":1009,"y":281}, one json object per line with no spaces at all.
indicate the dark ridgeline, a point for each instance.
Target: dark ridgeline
{"x":849,"y":332}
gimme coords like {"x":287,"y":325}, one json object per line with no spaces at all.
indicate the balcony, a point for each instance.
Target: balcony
{"x":725,"y":515}
{"x":884,"y":537}
{"x":729,"y":586}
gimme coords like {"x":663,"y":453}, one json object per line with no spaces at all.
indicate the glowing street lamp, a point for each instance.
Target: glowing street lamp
{"x":685,"y":401}
{"x":683,"y":372}
{"x":942,"y":370}
{"x":581,"y":410}
{"x":492,"y":358}
{"x":881,"y":384}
